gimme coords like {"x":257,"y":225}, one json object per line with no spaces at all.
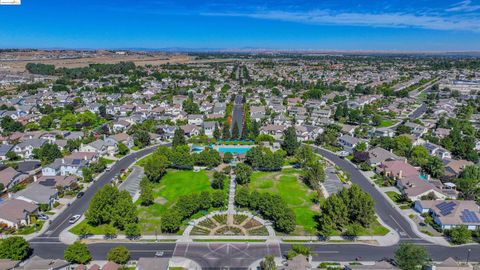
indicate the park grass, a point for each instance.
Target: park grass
{"x":94,"y":230}
{"x":297,"y":195}
{"x":387,"y":123}
{"x":173,"y":185}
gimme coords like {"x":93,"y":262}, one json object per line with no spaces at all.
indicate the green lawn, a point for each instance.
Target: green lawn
{"x":107,"y":161}
{"x":387,"y":123}
{"x":172,"y":185}
{"x":95,"y":230}
{"x":298,"y":196}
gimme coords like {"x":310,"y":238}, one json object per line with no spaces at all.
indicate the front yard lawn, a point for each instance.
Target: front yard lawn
{"x":298,"y":196}
{"x":387,"y":123}
{"x":173,"y":185}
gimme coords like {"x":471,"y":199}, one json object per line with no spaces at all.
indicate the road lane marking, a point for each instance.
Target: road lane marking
{"x":403,"y":230}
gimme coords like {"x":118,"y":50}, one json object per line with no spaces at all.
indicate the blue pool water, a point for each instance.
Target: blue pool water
{"x":234,"y":150}
{"x":423,"y":176}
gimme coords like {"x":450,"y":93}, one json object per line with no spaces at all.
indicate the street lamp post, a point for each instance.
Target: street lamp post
{"x":468,"y":254}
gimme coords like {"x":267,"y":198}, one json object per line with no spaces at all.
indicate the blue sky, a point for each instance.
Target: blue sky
{"x":414,"y":25}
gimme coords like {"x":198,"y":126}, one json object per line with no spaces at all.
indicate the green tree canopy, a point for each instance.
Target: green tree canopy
{"x":77,"y":253}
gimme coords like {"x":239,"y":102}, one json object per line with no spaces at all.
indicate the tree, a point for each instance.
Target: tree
{"x":305,"y":155}
{"x":170,"y":222}
{"x":111,"y":206}
{"x":218,"y":198}
{"x":122,"y":149}
{"x":146,"y":192}
{"x":226,"y":132}
{"x":132,"y":230}
{"x":156,"y":167}
{"x":419,"y":156}
{"x":141,"y":138}
{"x":361,"y":147}
{"x":14,"y":248}
{"x":77,"y":253}
{"x":218,"y":180}
{"x":109,"y":231}
{"x":46,"y":122}
{"x":314,"y":174}
{"x":48,"y":153}
{"x":178,"y":138}
{"x":235,"y":132}
{"x":227,"y":157}
{"x":12,"y":155}
{"x":87,"y":174}
{"x":434,"y":167}
{"x":460,"y":235}
{"x":298,"y":249}
{"x":242,"y":173}
{"x":119,"y":254}
{"x":411,"y":257}
{"x":9,"y":125}
{"x":268,"y":263}
{"x":290,"y":143}
{"x":216,"y":132}
{"x":403,"y":145}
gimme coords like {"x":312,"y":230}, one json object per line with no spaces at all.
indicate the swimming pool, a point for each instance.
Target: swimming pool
{"x":234,"y":150}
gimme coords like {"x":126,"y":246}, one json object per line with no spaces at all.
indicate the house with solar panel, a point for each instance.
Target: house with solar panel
{"x":64,"y":167}
{"x":449,"y":214}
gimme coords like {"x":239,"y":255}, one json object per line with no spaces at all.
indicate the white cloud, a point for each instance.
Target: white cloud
{"x":394,"y":20}
{"x":465,"y":6}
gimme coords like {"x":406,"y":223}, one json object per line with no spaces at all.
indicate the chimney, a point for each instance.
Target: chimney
{"x":35,"y":178}
{"x":85,"y":157}
{"x":400,"y":174}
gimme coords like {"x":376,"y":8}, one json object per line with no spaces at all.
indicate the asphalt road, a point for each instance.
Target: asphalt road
{"x":237,"y":114}
{"x":384,"y":209}
{"x":79,"y":206}
{"x":418,"y":112}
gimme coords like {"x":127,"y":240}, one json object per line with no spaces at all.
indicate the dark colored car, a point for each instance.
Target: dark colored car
{"x":80,"y":194}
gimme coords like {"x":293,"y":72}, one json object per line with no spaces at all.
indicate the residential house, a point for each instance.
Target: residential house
{"x":209,"y":128}
{"x":190,"y":130}
{"x":65,"y":166}
{"x":9,"y":177}
{"x":38,"y":194}
{"x":451,"y":213}
{"x":17,"y":213}
{"x":273,"y":130}
{"x":299,"y":262}
{"x":436,"y":150}
{"x":25,"y":148}
{"x":454,"y":167}
{"x":378,"y":155}
{"x":38,"y":263}
{"x":195,"y":119}
{"x":4,"y":149}
{"x":100,"y":147}
{"x":57,"y":181}
{"x":120,"y":126}
{"x":257,"y":113}
{"x":121,"y":138}
{"x":348,"y":142}
{"x":415,"y":188}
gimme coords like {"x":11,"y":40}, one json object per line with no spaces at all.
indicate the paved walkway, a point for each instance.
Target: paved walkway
{"x":132,"y":183}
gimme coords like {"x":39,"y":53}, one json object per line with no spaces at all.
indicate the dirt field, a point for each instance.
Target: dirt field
{"x":141,"y":60}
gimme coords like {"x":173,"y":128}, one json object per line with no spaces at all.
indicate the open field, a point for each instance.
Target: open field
{"x":298,"y":196}
{"x":173,"y":185}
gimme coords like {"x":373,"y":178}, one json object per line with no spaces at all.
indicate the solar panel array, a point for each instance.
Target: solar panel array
{"x":76,"y":161}
{"x":469,"y":216}
{"x":446,"y":207}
